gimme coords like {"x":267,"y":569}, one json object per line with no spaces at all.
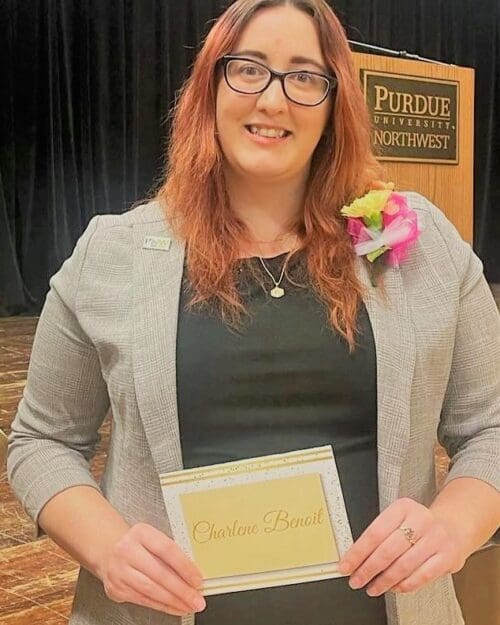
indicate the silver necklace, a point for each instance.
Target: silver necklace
{"x":277,"y":291}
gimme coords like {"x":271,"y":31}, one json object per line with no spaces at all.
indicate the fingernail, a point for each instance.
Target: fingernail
{"x":355,"y":583}
{"x":199,"y":604}
{"x":373,"y":592}
{"x":344,"y":567}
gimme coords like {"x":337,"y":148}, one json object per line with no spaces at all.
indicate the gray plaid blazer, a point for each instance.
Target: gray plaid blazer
{"x":106,"y":338}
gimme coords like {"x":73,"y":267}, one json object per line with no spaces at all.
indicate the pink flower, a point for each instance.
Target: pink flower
{"x":357,"y":229}
{"x":397,"y":208}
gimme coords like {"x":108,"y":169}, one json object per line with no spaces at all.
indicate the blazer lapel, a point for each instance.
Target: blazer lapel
{"x":158,"y":267}
{"x":395,"y":355}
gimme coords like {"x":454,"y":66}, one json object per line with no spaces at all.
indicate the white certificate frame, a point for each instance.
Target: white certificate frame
{"x":317,"y":460}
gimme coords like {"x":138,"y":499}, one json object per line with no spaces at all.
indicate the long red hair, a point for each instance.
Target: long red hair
{"x":342,"y":168}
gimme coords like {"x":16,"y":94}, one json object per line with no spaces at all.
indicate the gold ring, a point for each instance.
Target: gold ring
{"x":409,"y":534}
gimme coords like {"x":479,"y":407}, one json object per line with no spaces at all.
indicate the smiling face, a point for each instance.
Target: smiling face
{"x":278,"y":35}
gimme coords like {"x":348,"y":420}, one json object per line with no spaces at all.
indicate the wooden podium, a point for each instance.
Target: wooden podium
{"x":402,"y":96}
{"x":446,"y":183}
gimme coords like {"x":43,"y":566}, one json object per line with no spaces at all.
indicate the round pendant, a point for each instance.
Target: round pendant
{"x":277,"y":292}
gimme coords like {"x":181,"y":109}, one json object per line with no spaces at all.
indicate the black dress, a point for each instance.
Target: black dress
{"x":286,"y":381}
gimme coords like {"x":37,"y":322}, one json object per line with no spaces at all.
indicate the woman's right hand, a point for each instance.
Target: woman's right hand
{"x":148,"y":568}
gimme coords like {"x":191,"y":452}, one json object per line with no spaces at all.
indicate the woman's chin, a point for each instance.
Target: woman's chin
{"x":264,"y":171}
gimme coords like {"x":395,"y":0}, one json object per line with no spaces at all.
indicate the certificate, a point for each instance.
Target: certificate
{"x":260,"y":522}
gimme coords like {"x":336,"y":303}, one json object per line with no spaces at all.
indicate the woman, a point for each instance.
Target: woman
{"x":231,"y":318}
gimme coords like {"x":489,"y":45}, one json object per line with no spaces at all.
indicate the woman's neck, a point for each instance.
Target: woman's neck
{"x":270,"y":212}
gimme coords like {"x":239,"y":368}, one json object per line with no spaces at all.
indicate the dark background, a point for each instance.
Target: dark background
{"x":86,"y":86}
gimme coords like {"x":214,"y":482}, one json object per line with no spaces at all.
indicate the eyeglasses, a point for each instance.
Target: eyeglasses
{"x":245,"y":75}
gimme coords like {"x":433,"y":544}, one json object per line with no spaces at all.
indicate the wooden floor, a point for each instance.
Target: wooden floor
{"x":37,"y":578}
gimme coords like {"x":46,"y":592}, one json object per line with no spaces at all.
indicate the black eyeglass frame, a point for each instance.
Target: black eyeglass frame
{"x":224,"y":61}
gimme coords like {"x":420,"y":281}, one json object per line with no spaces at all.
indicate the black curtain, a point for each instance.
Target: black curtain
{"x":86,"y":87}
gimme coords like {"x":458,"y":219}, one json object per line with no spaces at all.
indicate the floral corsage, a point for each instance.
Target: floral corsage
{"x":381,"y":223}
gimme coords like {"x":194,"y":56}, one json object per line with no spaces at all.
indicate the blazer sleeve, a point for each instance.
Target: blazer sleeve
{"x":469,"y":427}
{"x":55,"y":431}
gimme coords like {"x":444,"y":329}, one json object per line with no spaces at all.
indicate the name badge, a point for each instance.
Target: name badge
{"x":156,"y":243}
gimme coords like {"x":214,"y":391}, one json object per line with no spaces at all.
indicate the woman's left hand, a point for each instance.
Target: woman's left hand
{"x":385,"y":558}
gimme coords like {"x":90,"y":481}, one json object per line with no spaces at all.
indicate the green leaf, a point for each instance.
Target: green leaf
{"x":376,"y":253}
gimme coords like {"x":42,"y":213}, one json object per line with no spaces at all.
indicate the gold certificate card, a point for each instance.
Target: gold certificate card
{"x":260,"y":522}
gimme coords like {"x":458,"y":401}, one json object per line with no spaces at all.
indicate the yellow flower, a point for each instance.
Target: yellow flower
{"x":368,"y":206}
